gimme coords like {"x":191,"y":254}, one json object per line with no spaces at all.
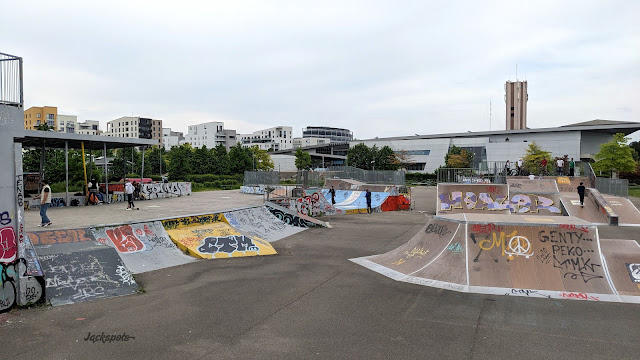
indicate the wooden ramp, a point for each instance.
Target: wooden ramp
{"x":535,"y":256}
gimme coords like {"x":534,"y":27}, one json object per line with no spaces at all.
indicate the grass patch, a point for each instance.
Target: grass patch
{"x":634,"y":191}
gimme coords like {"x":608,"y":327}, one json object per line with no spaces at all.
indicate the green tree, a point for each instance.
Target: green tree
{"x":303,"y":159}
{"x":44,"y":127}
{"x":458,"y":158}
{"x":201,"y":161}
{"x":402,"y":159}
{"x":262,"y":159}
{"x":154,"y":161}
{"x":179,"y":162}
{"x":240,"y":159}
{"x":533,"y":157}
{"x":635,"y":145}
{"x":615,"y":155}
{"x":220,"y":158}
{"x":385,"y":159}
{"x":360,"y":156}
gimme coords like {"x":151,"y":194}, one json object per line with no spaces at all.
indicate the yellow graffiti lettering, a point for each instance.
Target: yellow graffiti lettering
{"x":496,"y":242}
{"x":416,"y":251}
{"x":399,"y":262}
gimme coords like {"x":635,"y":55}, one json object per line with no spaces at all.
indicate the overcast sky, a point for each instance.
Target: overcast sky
{"x":379,"y":68}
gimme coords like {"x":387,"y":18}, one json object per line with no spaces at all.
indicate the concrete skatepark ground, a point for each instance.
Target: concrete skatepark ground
{"x":311,"y":301}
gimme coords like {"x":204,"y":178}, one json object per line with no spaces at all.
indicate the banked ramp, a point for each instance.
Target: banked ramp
{"x":535,"y":256}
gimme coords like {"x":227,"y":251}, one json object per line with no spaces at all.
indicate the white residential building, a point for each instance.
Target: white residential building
{"x":135,"y":127}
{"x":275,"y":138}
{"x":309,"y":141}
{"x":210,"y":135}
{"x":67,"y":124}
{"x":89,"y":127}
{"x":171,"y":138}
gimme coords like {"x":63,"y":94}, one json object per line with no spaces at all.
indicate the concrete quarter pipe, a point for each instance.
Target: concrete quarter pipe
{"x":535,"y":256}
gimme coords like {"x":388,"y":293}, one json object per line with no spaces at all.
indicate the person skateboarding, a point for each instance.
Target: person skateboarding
{"x":367,"y":196}
{"x":333,"y":195}
{"x":581,"y":190}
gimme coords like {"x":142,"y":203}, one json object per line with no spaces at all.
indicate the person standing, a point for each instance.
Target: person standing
{"x":129,"y":189}
{"x":543,"y":166}
{"x":572,"y":167}
{"x":519,"y":165}
{"x":507,"y":166}
{"x":581,"y":190}
{"x":333,"y":195}
{"x":367,"y":196}
{"x":45,"y":202}
{"x":560,"y":166}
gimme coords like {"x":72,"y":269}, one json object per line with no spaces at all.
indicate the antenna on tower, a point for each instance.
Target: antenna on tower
{"x":516,"y":72}
{"x":490,"y":114}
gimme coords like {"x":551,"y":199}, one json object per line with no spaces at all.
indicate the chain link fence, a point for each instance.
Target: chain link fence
{"x":253,"y":178}
{"x":387,"y":177}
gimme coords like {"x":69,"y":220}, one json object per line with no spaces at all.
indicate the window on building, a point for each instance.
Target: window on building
{"x":38,"y":116}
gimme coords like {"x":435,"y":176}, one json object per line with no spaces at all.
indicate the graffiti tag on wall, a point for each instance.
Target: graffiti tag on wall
{"x":519,"y":203}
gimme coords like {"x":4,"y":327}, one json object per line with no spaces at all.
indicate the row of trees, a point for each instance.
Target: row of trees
{"x":178,"y":162}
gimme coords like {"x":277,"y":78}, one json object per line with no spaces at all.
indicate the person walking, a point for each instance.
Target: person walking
{"x":572,"y":167}
{"x":367,"y":196}
{"x":560,"y":166}
{"x":333,"y":195}
{"x":581,"y":190}
{"x":45,"y":202}
{"x":129,"y":189}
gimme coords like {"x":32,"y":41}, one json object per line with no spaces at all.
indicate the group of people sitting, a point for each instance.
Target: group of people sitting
{"x":97,"y":194}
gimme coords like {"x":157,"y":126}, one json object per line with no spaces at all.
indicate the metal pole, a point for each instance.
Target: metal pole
{"x":106,"y":174}
{"x":42,"y":155}
{"x":66,"y":172}
{"x":160,"y":152}
{"x":124,"y":163}
{"x":84,"y":167}
{"x":142,"y":170}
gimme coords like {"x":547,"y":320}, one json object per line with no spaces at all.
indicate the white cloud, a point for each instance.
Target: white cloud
{"x":379,"y":68}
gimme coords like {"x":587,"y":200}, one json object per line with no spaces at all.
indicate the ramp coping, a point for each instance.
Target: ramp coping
{"x":604,"y":265}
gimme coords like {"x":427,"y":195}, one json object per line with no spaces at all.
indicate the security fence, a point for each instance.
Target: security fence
{"x":618,"y":187}
{"x":388,"y":177}
{"x":10,"y":80}
{"x":261,"y":178}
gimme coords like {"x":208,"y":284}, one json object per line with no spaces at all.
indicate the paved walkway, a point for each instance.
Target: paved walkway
{"x":310,"y":301}
{"x":115,"y":213}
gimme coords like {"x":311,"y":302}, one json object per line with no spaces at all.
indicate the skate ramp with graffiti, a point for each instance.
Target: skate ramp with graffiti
{"x":260,"y":222}
{"x":568,"y":184}
{"x":588,"y":212}
{"x":623,"y":262}
{"x":142,"y":246}
{"x":628,"y":214}
{"x":348,"y":184}
{"x":312,"y":204}
{"x":355,"y":200}
{"x":454,"y":198}
{"x":292,"y":217}
{"x":83,"y":271}
{"x":209,"y":237}
{"x":536,"y":186}
{"x":535,"y":256}
{"x":21,"y":276}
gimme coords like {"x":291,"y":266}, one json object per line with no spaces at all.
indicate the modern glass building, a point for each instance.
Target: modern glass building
{"x":334,"y":134}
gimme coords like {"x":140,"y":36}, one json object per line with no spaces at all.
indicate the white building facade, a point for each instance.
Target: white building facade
{"x":275,"y":138}
{"x":309,"y":141}
{"x":210,"y":135}
{"x":89,"y":127}
{"x":171,"y":138}
{"x":67,"y":124}
{"x":579,"y":141}
{"x":135,"y":127}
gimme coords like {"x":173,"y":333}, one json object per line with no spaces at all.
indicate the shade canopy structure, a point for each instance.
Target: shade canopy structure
{"x":56,"y":140}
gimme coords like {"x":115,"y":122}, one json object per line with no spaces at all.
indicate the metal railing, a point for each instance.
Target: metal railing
{"x":468,"y":175}
{"x":618,"y":187}
{"x":11,"y":80}
{"x":261,"y":178}
{"x":388,"y":177}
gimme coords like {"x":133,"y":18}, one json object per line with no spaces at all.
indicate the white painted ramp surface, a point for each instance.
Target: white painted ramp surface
{"x":260,"y":222}
{"x":143,"y":246}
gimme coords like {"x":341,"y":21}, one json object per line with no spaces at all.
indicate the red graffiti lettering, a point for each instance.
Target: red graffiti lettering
{"x":492,"y":189}
{"x":124,"y":240}
{"x":579,"y":296}
{"x":573,"y":227}
{"x":485,"y":229}
{"x":147,"y":231}
{"x":8,"y":246}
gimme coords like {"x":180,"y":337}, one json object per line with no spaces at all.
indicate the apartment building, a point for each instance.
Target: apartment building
{"x":275,"y":138}
{"x":171,"y":138}
{"x":38,"y":115}
{"x":309,"y":141}
{"x":67,"y":124}
{"x":135,"y":127}
{"x":89,"y":127}
{"x":210,"y":135}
